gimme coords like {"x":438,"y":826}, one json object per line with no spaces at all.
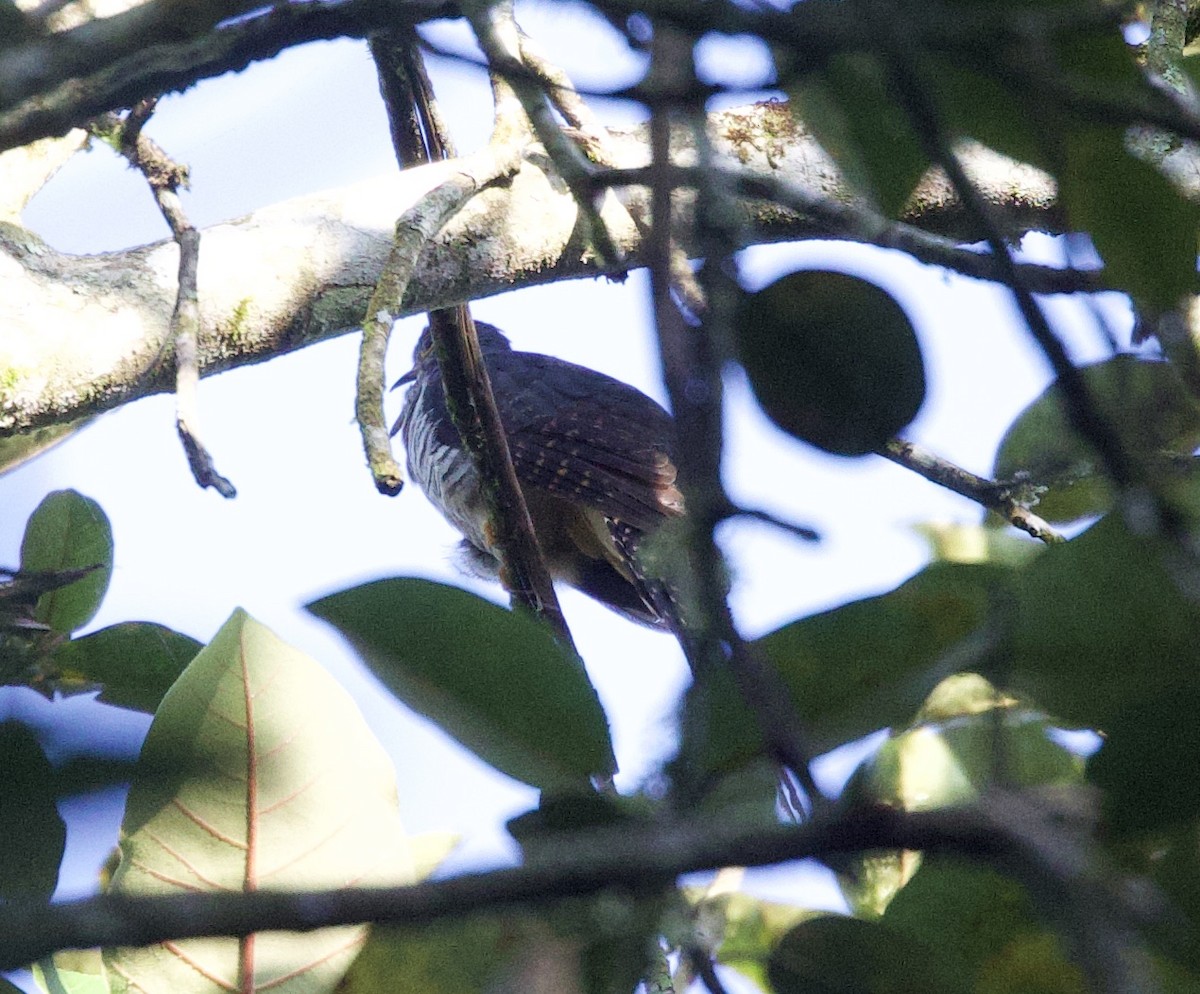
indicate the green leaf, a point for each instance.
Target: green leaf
{"x":1099,"y":627}
{"x":456,"y":957}
{"x":966,"y":739}
{"x":834,"y":955}
{"x":1104,"y":638}
{"x":984,"y":927}
{"x":976,"y":104}
{"x":495,"y":680}
{"x":258,"y":772}
{"x":848,"y":106}
{"x":34,"y":834}
{"x":1143,"y":228}
{"x":69,"y":531}
{"x":1147,"y":764}
{"x":136,"y":662}
{"x":870,"y":664}
{"x":1146,"y":403}
{"x":832,"y":359}
{"x":18,"y":448}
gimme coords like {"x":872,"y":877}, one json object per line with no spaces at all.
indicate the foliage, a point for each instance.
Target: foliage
{"x":978,"y":847}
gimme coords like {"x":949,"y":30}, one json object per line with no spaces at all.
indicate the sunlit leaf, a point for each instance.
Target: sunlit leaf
{"x":33,"y":833}
{"x":69,"y":531}
{"x":135,"y":663}
{"x":74,"y":972}
{"x":750,"y":928}
{"x":258,"y":772}
{"x":18,"y":448}
{"x":495,"y":680}
{"x":832,"y":359}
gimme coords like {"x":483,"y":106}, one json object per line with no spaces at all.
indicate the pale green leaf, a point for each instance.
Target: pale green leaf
{"x":258,"y":772}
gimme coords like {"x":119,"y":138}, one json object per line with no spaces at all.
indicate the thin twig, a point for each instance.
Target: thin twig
{"x":703,"y":965}
{"x":802,"y":532}
{"x":1082,"y":412}
{"x":1001,"y":498}
{"x":419,"y":137}
{"x":164,"y":178}
{"x":497,"y":33}
{"x":855,"y":222}
{"x":692,"y":360}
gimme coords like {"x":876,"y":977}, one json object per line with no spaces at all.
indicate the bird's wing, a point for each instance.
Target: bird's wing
{"x":591,"y":439}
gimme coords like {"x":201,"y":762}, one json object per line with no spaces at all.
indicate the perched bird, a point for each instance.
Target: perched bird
{"x":592,"y":454}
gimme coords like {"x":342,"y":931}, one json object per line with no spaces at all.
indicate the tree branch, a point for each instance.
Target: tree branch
{"x":52,"y":83}
{"x":302,"y":271}
{"x":642,"y":858}
{"x":994,"y":495}
{"x":164,"y":178}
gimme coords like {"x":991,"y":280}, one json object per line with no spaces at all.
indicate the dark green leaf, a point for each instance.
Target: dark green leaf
{"x":1154,"y":416}
{"x":33,"y":833}
{"x":975,"y":104}
{"x":1147,"y":764}
{"x":1100,"y":628}
{"x":832,"y":359}
{"x":495,"y":680}
{"x":834,"y":955}
{"x":984,"y":927}
{"x":135,"y":662}
{"x":872,"y":663}
{"x":1104,"y":638}
{"x":1143,"y":228}
{"x":849,"y":107}
{"x":69,"y":531}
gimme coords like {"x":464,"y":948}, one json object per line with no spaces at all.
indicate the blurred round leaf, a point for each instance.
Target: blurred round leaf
{"x":1144,"y":401}
{"x":69,"y":531}
{"x":832,"y":359}
{"x":495,"y":680}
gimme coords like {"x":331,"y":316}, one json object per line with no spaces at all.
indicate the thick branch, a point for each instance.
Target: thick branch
{"x":84,"y":334}
{"x":54,"y":82}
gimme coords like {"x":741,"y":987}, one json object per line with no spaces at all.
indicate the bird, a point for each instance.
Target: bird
{"x":593,"y":457}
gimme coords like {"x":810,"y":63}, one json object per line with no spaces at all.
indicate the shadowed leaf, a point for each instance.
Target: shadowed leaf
{"x":832,"y":359}
{"x":493,"y":679}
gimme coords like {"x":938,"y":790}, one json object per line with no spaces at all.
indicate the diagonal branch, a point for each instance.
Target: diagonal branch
{"x":1002,"y":498}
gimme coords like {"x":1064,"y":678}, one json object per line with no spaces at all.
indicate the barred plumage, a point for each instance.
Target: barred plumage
{"x":593,"y":456}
